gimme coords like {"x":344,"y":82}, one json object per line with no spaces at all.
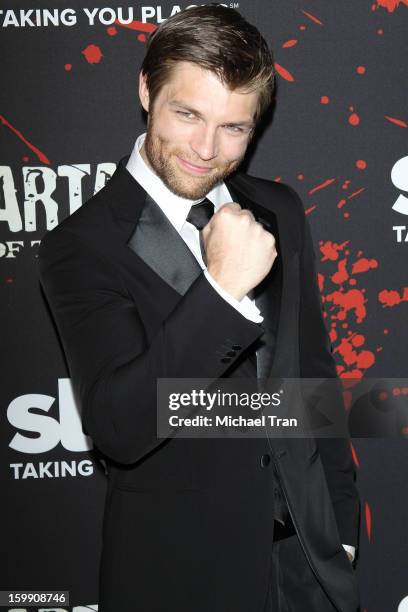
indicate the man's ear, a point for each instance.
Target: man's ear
{"x":143,"y":91}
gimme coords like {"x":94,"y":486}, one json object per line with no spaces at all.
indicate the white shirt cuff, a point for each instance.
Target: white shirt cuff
{"x":350,"y":549}
{"x":245,"y":306}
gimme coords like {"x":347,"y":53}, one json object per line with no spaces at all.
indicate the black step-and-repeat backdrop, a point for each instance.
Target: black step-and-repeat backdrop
{"x":69,"y":111}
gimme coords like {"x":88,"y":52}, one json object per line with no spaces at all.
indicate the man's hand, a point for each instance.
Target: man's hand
{"x":240,"y":252}
{"x":350,"y":556}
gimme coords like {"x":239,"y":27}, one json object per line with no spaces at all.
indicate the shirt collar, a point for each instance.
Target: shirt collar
{"x":174,"y":207}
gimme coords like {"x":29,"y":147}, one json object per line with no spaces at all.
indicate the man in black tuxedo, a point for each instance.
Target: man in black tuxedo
{"x":179,"y":268}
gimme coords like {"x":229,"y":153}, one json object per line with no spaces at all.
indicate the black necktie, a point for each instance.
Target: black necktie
{"x":199,"y":216}
{"x":201,"y":213}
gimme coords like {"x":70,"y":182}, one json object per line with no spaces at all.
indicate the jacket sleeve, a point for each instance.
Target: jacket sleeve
{"x":317,"y":361}
{"x":114,"y":370}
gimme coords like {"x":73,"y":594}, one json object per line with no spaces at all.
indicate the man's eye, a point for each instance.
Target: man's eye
{"x":185,"y":114}
{"x":235,"y":129}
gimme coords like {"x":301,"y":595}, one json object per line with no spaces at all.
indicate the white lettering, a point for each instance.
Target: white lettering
{"x":399,"y":177}
{"x":91,"y":15}
{"x":10,"y":212}
{"x":39,"y":185}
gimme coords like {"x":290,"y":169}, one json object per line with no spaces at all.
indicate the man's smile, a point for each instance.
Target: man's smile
{"x":193,"y":167}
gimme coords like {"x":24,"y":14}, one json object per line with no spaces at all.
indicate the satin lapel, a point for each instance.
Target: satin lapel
{"x":160,"y":246}
{"x":278,"y":295}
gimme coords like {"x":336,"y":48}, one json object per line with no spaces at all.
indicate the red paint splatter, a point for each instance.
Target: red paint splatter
{"x":330,"y":250}
{"x":285,"y":74}
{"x":354,"y":119}
{"x":355,"y":193}
{"x":363,"y":265}
{"x":277,"y":179}
{"x":385,"y":332}
{"x":25,"y":158}
{"x":360,"y":69}
{"x":365,"y":360}
{"x":341,"y":203}
{"x":362,"y":360}
{"x":367,"y":513}
{"x":380,"y":31}
{"x":289,"y":43}
{"x":112,"y":31}
{"x":302,"y":27}
{"x":403,"y":390}
{"x":341,"y":275}
{"x":391,"y":5}
{"x":300,"y":177}
{"x":310,"y":209}
{"x":352,"y":375}
{"x":43,"y":158}
{"x":382,"y":396}
{"x":399,"y":122}
{"x":141,"y":37}
{"x":9,"y":280}
{"x":346,"y":215}
{"x":68,"y":67}
{"x":92,"y":54}
{"x":354,"y":455}
{"x":357,"y":340}
{"x":324,"y":99}
{"x":392,"y":298}
{"x":341,"y":304}
{"x":320,"y":281}
{"x":312,"y":18}
{"x":322,"y":185}
{"x":351,"y":300}
{"x":361,"y":164}
{"x":138,"y":25}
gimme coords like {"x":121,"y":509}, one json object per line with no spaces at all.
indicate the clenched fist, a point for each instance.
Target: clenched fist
{"x":239,"y":251}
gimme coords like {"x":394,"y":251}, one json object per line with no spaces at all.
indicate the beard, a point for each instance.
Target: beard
{"x":161,"y":155}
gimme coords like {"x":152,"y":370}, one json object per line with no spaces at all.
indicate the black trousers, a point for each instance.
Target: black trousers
{"x":291,"y":573}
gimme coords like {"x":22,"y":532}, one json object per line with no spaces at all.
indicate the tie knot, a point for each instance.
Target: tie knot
{"x":201,"y":213}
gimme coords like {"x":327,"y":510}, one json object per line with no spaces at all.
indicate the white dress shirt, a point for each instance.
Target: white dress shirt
{"x":176,"y":210}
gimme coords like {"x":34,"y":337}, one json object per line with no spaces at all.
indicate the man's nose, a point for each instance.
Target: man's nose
{"x":204,"y":142}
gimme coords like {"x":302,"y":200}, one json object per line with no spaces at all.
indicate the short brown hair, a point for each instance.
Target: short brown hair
{"x":215,"y":38}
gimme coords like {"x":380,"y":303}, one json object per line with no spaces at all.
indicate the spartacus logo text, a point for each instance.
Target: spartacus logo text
{"x":33,"y":207}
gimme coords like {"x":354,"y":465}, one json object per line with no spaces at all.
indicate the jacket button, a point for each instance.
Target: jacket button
{"x":265,"y":460}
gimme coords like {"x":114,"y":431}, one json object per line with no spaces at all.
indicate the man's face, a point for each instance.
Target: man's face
{"x":198,"y":130}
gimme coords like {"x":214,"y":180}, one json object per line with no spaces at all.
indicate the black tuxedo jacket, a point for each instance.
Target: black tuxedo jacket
{"x":188,"y":523}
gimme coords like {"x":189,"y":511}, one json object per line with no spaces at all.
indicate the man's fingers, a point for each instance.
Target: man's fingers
{"x":235,"y":208}
{"x":232,"y":206}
